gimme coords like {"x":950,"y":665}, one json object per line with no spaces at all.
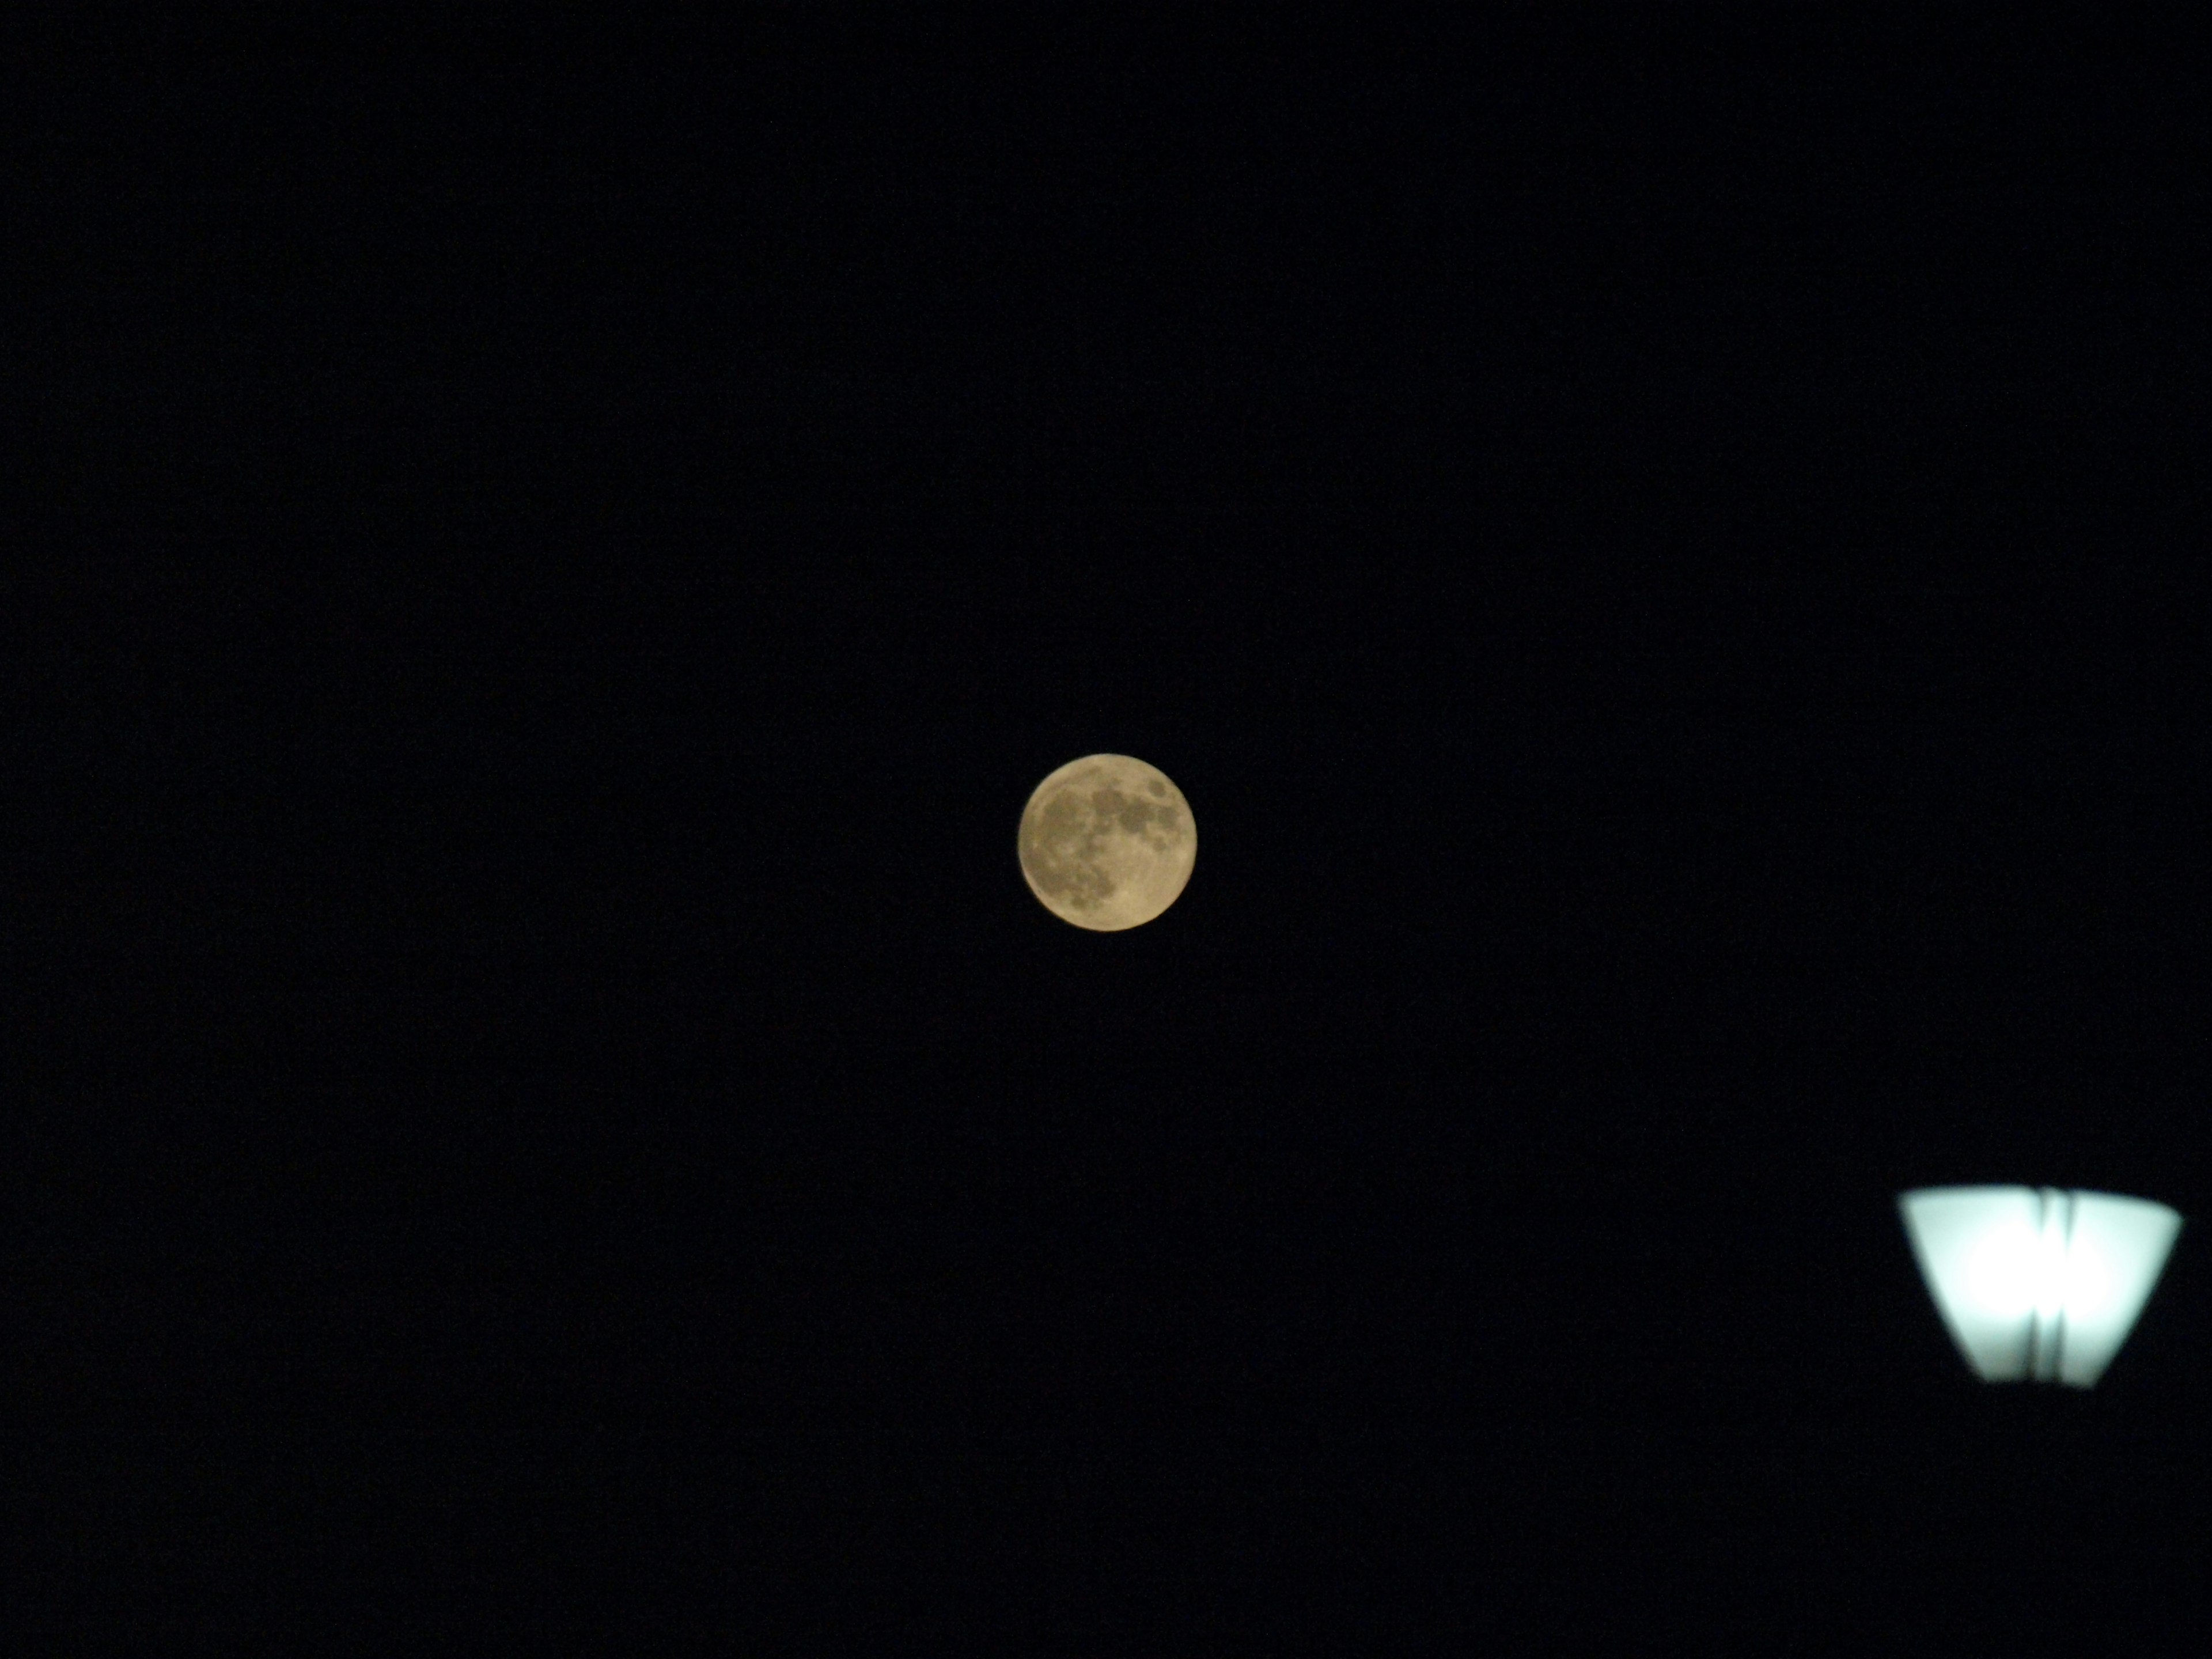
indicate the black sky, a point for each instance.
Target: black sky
{"x":1667,"y":562}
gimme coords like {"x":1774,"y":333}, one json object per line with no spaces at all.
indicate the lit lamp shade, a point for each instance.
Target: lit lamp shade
{"x":2035,"y":1283}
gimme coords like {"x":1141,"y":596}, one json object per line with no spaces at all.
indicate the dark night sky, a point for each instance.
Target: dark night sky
{"x":1667,"y":562}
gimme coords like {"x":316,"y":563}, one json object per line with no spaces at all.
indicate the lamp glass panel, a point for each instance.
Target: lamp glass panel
{"x":2118,"y":1248}
{"x":1976,"y":1248}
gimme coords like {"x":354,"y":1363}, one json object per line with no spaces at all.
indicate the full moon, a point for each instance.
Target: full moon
{"x":1107,"y":842}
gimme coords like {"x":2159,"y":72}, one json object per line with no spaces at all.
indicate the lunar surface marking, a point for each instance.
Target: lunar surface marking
{"x":1107,"y":842}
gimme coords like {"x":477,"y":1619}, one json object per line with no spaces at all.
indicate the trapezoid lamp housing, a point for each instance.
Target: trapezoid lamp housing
{"x":2035,"y":1283}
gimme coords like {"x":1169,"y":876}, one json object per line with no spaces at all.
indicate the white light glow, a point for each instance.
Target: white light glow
{"x":2035,"y":1282}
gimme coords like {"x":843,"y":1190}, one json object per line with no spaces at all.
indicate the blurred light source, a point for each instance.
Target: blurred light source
{"x":2034,"y":1282}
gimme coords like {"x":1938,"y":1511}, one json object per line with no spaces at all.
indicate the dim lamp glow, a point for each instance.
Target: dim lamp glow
{"x":2036,"y":1282}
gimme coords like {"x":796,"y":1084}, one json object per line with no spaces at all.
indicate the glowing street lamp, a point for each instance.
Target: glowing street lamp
{"x":2034,"y":1282}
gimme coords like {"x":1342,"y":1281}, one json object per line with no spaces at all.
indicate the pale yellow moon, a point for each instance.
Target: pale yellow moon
{"x":1107,"y":842}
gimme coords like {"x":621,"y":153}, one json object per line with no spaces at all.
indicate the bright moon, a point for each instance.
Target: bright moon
{"x":1107,"y":842}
